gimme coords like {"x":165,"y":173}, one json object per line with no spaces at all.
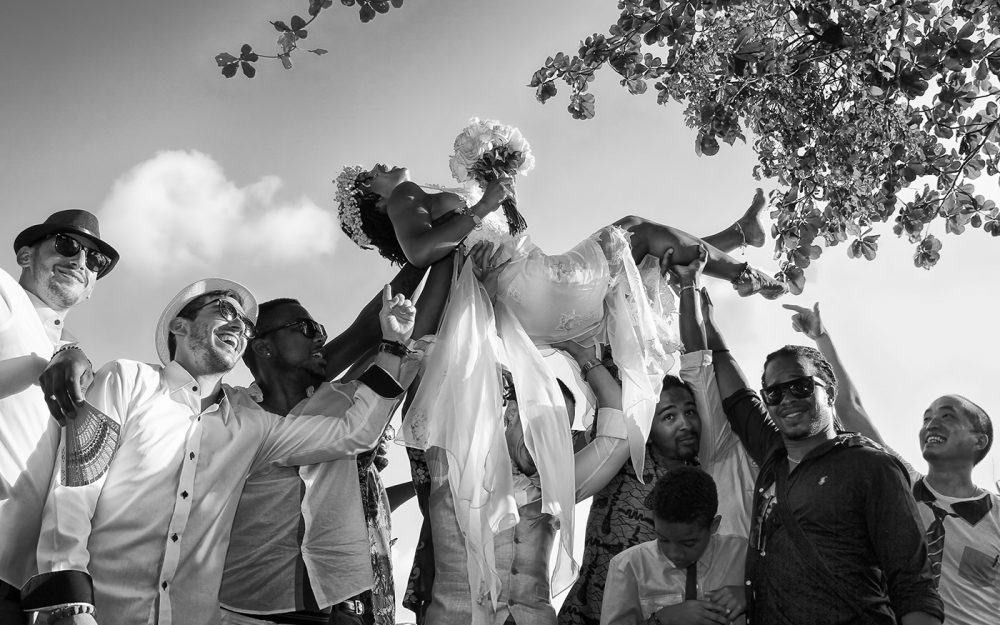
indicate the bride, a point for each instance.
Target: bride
{"x":605,"y":291}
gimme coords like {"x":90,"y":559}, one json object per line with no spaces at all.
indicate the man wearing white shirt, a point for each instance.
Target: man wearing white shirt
{"x":61,"y":259}
{"x":143,"y":538}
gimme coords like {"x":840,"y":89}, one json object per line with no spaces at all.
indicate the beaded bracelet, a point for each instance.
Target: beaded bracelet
{"x":70,"y":610}
{"x":587,"y":366}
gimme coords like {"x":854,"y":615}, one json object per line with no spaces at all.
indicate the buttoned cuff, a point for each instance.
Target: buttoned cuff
{"x":49,"y":591}
{"x":692,"y":361}
{"x":379,"y":380}
{"x":611,"y":423}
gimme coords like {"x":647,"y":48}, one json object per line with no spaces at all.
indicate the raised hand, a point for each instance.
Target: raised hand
{"x":487,"y":263}
{"x":397,"y":316}
{"x":686,"y":264}
{"x":692,"y":612}
{"x":807,"y":321}
{"x":65,"y":382}
{"x":496,"y":192}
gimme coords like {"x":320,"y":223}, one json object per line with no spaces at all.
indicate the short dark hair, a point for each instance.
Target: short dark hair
{"x":190,"y":311}
{"x":823,"y":369}
{"x":684,"y":495}
{"x":981,"y":424}
{"x":672,"y":381}
{"x":264,"y":312}
{"x":377,"y":226}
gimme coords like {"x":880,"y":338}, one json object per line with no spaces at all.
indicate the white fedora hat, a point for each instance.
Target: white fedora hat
{"x":192,"y":291}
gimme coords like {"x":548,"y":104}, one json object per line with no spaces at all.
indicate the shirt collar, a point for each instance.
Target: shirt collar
{"x":52,"y":320}
{"x":972,"y":511}
{"x":178,"y":379}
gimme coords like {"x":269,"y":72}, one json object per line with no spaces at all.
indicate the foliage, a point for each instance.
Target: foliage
{"x":292,"y":32}
{"x":862,"y":110}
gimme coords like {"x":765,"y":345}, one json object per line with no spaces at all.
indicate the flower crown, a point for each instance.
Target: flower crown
{"x":348,"y":212}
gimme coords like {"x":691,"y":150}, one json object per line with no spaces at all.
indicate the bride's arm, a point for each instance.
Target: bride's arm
{"x":423,"y":243}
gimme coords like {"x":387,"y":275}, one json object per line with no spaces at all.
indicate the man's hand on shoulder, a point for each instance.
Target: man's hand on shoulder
{"x":65,"y":382}
{"x":76,"y":619}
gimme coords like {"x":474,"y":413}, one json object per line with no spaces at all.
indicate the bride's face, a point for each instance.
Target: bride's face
{"x":384,"y":179}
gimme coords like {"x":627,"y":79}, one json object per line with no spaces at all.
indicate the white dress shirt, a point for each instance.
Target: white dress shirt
{"x":29,"y":332}
{"x":720,"y":452}
{"x":641,"y":580}
{"x":153,"y":531}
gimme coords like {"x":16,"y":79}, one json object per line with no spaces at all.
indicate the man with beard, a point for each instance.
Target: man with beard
{"x":138,"y":520}
{"x":835,"y":536}
{"x":303,"y":536}
{"x":962,"y":520}
{"x":61,"y":260}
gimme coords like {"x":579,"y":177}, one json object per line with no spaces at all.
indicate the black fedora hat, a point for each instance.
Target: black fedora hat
{"x":73,"y":221}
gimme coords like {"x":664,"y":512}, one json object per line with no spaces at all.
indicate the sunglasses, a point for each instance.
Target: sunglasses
{"x":70,"y":247}
{"x":228,"y":312}
{"x":799,"y":388}
{"x":308,"y":327}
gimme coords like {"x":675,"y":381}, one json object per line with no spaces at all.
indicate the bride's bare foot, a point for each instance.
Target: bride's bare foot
{"x":750,"y":223}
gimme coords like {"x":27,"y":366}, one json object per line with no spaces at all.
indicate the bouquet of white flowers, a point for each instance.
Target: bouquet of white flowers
{"x":487,"y":150}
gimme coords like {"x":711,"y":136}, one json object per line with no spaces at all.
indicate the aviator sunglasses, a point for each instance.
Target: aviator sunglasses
{"x":228,"y":312}
{"x":69,"y":247}
{"x":799,"y":388}
{"x":308,"y":327}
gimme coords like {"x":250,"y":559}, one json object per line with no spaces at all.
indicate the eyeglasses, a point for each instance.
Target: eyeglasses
{"x":228,"y":312}
{"x":799,"y":388}
{"x":308,"y":327}
{"x":69,"y":247}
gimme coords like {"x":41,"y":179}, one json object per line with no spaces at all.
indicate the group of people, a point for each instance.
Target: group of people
{"x":138,"y":493}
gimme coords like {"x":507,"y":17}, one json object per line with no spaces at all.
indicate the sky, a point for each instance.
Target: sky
{"x":118,"y":107}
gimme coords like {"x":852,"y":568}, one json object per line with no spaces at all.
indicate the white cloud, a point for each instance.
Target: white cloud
{"x":179,"y":210}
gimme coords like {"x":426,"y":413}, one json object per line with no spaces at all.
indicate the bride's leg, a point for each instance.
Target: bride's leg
{"x":655,"y":239}
{"x":747,"y":230}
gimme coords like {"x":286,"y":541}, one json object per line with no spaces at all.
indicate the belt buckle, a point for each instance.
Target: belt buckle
{"x":355,"y":605}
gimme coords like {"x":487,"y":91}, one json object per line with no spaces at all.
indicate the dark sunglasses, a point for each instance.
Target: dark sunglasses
{"x":308,"y":327}
{"x":70,"y":247}
{"x":799,"y":388}
{"x":228,"y":312}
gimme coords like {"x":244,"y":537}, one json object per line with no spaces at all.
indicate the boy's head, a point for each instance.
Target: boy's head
{"x":684,"y":503}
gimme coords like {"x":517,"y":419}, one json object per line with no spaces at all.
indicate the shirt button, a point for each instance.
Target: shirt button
{"x":513,"y":570}
{"x":57,"y":322}
{"x":194,"y":388}
{"x":517,"y":541}
{"x":184,"y":495}
{"x":748,"y":583}
{"x":191,"y":455}
{"x":174,"y":537}
{"x":199,"y":418}
{"x":164,"y":584}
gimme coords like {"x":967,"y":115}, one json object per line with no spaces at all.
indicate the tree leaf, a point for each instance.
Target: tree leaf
{"x":224,"y":58}
{"x":248,"y":70}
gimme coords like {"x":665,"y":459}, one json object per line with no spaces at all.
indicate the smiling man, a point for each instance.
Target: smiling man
{"x":61,"y":260}
{"x":835,"y":536}
{"x":137,"y":523}
{"x":962,"y":520}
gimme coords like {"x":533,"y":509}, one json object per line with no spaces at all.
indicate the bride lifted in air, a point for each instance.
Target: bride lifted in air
{"x":605,"y":291}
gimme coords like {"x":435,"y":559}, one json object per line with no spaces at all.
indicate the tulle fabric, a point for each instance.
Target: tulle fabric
{"x":459,"y":409}
{"x":592,"y":294}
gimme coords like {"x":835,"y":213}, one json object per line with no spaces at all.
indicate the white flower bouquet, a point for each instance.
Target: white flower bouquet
{"x":487,"y":150}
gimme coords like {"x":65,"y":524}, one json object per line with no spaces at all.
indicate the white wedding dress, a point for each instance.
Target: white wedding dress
{"x":593,"y":294}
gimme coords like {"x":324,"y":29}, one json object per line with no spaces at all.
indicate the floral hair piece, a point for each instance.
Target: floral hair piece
{"x":348,"y":212}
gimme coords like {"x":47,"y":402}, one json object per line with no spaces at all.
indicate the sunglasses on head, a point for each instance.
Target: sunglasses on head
{"x":799,"y":388}
{"x":308,"y":327}
{"x":68,"y":246}
{"x":229,"y":312}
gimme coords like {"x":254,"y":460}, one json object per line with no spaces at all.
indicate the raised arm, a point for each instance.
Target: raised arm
{"x":848,"y":404}
{"x":745,"y":411}
{"x":425,"y":243}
